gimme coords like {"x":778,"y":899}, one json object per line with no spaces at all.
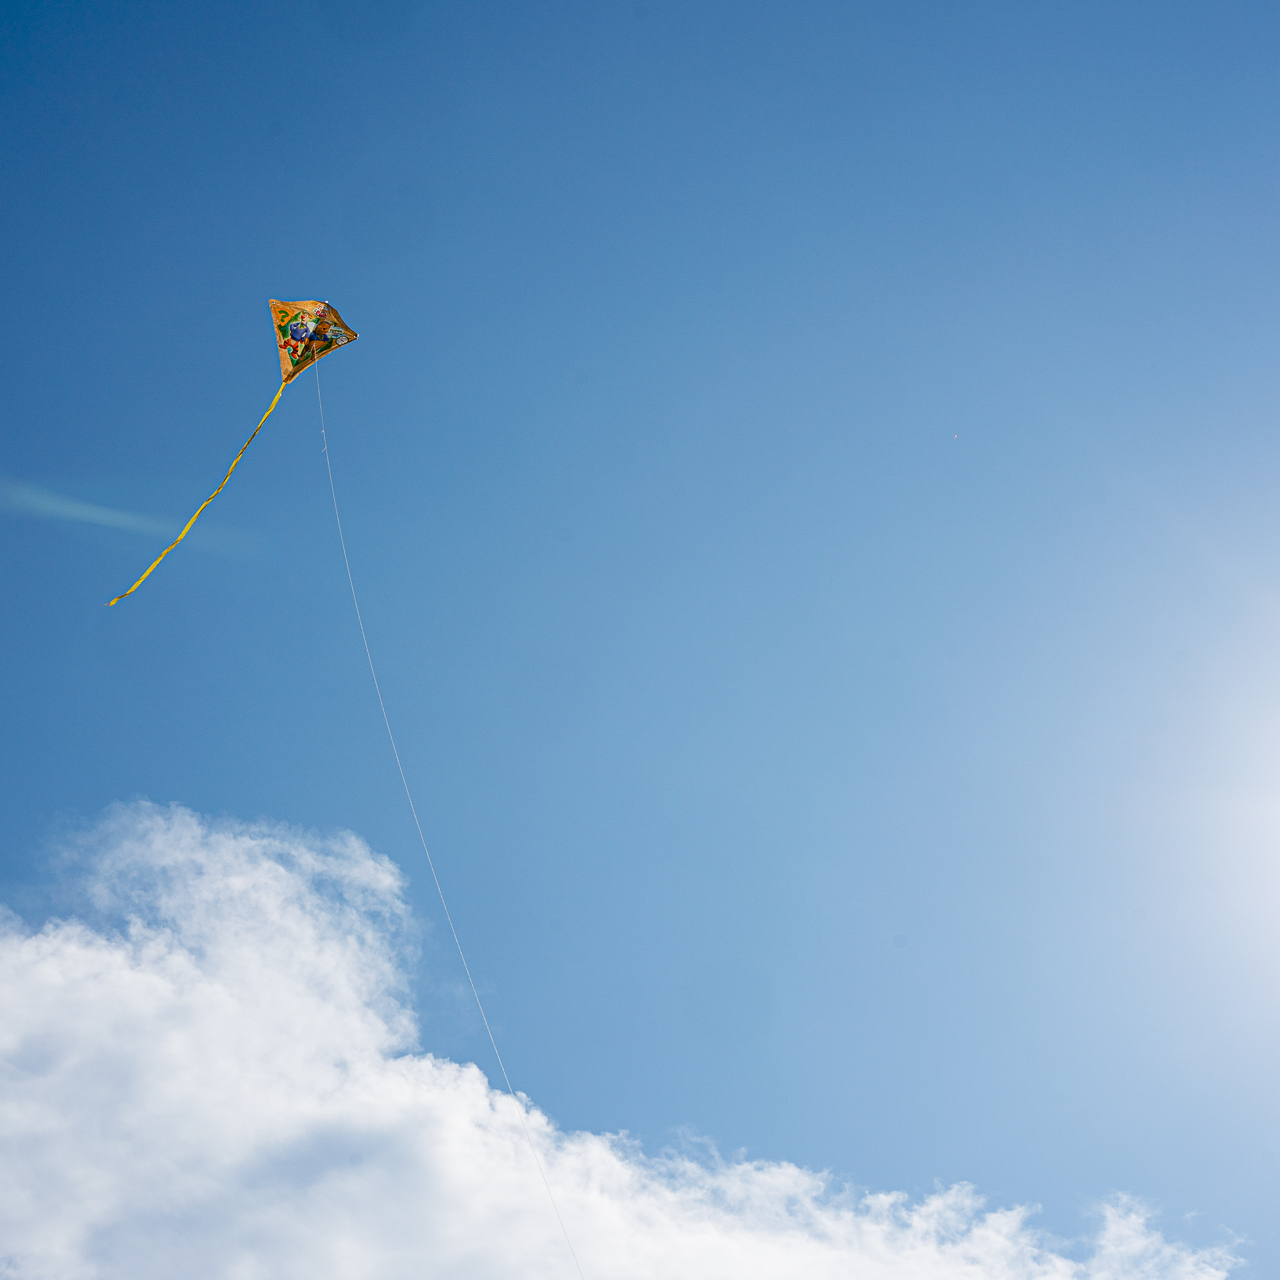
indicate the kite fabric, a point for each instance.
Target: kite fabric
{"x":305,"y":333}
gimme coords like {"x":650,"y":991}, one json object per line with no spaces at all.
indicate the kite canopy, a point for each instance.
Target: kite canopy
{"x":306,"y":331}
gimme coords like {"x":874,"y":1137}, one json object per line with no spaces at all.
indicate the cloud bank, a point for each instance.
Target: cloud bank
{"x":229,"y":1086}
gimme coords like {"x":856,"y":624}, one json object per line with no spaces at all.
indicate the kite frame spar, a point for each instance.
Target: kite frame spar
{"x":305,"y":332}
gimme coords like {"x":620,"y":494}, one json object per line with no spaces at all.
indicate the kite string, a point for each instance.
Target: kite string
{"x":422,"y":838}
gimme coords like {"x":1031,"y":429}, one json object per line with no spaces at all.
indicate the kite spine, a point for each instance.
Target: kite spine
{"x":204,"y":504}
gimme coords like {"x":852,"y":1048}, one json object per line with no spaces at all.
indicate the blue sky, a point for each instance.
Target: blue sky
{"x":810,"y":474}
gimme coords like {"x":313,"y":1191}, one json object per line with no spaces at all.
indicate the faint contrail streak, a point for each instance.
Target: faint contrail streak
{"x":29,"y":499}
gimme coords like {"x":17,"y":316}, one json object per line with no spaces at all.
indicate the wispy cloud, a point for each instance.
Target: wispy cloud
{"x":230,"y":1087}
{"x":20,"y":498}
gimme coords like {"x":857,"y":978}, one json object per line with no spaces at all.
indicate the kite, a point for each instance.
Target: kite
{"x":305,"y":332}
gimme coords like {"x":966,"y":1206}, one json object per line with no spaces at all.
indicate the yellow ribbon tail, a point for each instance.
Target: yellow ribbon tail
{"x":204,"y":504}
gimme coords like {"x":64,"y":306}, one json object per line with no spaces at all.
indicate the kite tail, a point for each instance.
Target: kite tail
{"x":204,"y":504}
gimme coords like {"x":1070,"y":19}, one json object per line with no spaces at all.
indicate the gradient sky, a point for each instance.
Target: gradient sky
{"x":811,"y":475}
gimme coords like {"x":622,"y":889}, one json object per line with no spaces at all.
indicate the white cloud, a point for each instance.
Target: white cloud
{"x":228,"y":1088}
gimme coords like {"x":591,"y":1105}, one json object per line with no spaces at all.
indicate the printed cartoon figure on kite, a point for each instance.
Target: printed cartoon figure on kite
{"x":305,"y":332}
{"x":305,"y":336}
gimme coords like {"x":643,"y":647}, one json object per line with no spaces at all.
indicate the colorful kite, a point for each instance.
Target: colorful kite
{"x":305,"y":332}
